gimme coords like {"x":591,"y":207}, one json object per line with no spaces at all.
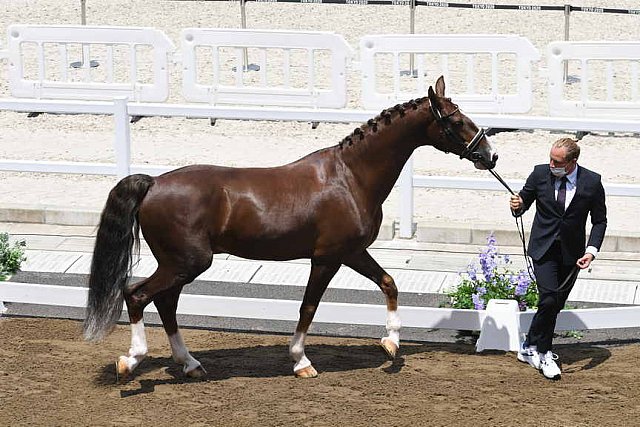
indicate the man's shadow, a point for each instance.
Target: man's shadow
{"x":586,"y":355}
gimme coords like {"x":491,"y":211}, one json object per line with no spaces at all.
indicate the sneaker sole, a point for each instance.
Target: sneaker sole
{"x":555,"y":378}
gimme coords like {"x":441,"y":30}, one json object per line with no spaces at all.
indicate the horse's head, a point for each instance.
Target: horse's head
{"x":457,"y":133}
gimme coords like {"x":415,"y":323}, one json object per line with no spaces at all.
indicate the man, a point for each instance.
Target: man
{"x":565,"y":193}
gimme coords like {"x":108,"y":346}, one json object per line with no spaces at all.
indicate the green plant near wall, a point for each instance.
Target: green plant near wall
{"x":11,"y":255}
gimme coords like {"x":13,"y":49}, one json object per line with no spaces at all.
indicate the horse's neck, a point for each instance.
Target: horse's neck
{"x":377,"y":160}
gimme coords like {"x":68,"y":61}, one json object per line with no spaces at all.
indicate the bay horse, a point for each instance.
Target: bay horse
{"x":326,"y":206}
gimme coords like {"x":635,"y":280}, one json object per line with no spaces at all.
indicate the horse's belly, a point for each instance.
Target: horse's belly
{"x":262,"y":248}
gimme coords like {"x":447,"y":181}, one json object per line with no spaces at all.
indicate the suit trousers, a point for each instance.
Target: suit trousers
{"x":551,"y":271}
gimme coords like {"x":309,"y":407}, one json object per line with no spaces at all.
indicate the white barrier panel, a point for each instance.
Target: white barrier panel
{"x":294,"y":68}
{"x":603,"y":76}
{"x":504,"y":320}
{"x":90,"y":63}
{"x":484,"y":73}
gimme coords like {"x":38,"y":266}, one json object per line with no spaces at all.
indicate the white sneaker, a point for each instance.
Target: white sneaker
{"x":529,"y":355}
{"x":548,"y":365}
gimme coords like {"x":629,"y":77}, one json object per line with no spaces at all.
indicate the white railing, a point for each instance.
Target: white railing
{"x":501,"y":324}
{"x":598,"y":68}
{"x":317,"y":80}
{"x":505,"y":62}
{"x":39,"y":59}
{"x":320,"y":98}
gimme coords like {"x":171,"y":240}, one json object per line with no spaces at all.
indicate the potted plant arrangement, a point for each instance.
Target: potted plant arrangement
{"x":493,"y":277}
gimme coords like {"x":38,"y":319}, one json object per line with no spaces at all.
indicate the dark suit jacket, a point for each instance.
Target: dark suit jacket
{"x":570,"y":226}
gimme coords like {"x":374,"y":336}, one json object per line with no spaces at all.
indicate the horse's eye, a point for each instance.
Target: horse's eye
{"x":458,"y":123}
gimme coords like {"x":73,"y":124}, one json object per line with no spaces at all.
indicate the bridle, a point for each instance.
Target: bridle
{"x":469,"y":150}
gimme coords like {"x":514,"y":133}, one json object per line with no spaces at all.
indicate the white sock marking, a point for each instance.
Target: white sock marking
{"x":296,"y":350}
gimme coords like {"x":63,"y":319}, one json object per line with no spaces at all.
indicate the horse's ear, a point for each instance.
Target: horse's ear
{"x":433,"y":98}
{"x":440,"y":86}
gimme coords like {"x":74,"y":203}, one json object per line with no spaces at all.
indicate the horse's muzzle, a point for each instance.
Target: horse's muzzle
{"x":481,"y":163}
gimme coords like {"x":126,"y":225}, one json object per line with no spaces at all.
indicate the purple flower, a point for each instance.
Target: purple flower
{"x":506,"y":258}
{"x":478,"y":303}
{"x":481,"y":290}
{"x":488,"y":265}
{"x":487,"y":257}
{"x":471,"y":271}
{"x":523,"y":282}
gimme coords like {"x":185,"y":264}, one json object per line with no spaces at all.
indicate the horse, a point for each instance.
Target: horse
{"x":326,"y":206}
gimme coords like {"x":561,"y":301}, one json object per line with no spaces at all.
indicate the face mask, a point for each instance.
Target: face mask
{"x":558,"y":172}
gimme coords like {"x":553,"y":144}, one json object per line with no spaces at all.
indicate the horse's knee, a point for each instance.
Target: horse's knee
{"x":308,"y":310}
{"x":388,"y":286}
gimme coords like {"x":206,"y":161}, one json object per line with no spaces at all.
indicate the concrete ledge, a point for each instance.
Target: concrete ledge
{"x":49,"y":215}
{"x":476,"y":234}
{"x":34,"y":215}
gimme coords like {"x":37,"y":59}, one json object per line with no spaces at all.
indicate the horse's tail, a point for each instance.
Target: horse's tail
{"x":111,"y":264}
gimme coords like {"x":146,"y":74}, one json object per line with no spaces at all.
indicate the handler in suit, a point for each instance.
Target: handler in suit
{"x":565,"y":193}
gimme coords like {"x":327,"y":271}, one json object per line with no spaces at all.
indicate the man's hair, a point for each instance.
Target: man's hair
{"x":573,"y":149}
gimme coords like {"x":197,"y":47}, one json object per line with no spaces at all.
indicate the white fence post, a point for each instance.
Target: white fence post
{"x":122,"y":141}
{"x":405,"y":183}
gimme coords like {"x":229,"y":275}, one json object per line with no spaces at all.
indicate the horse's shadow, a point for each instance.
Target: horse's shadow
{"x":272,"y":361}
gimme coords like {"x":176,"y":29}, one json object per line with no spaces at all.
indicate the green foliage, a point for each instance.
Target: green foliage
{"x":493,"y":280}
{"x":11,"y":256}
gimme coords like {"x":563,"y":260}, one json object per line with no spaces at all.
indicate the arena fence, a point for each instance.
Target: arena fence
{"x":489,"y":76}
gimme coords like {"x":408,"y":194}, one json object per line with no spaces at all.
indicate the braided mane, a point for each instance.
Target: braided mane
{"x":386,"y":117}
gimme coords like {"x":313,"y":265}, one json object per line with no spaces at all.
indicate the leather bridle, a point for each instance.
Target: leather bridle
{"x":469,"y":150}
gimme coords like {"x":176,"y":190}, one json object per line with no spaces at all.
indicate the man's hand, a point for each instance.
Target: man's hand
{"x":515,"y":202}
{"x":585,"y":261}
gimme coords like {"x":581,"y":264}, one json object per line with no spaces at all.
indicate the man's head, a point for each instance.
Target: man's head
{"x":563,"y":157}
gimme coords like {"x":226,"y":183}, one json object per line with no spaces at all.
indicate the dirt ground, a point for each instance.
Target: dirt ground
{"x":50,"y":376}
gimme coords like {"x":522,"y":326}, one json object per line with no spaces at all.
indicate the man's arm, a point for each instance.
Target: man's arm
{"x":598,"y":218}
{"x":598,"y":227}
{"x":520,"y":202}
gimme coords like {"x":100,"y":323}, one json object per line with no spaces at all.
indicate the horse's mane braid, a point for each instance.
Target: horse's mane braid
{"x":385,"y":117}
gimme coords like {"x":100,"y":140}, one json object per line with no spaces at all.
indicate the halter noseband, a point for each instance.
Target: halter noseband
{"x":469,"y":151}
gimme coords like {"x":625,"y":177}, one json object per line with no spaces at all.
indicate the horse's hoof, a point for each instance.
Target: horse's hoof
{"x":122,"y":369}
{"x":308,"y":372}
{"x":389,"y":347}
{"x":197,"y":372}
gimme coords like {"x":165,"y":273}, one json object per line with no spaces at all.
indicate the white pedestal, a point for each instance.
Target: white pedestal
{"x":500,"y":328}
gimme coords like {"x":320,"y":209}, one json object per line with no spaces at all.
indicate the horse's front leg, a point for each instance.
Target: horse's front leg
{"x":364,"y":264}
{"x":321,"y":275}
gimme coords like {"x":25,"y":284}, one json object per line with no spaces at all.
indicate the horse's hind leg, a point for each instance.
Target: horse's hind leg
{"x":321,"y":275}
{"x":138,"y":350}
{"x":138,"y":295}
{"x":364,"y":264}
{"x":167,"y":304}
